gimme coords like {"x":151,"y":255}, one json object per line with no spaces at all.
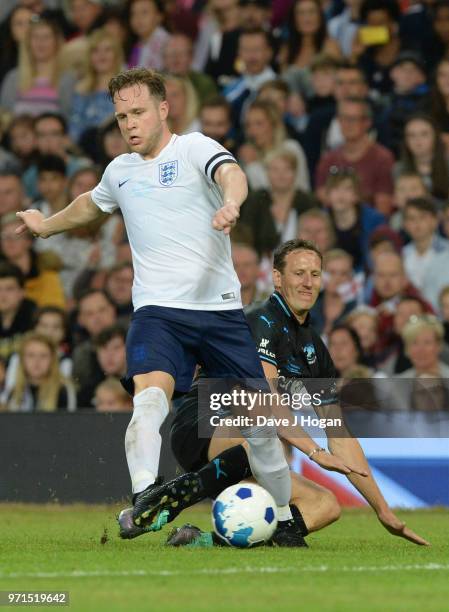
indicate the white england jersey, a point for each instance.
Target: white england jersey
{"x":168,"y":204}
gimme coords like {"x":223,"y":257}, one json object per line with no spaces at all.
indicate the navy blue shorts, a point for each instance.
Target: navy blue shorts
{"x":175,"y":340}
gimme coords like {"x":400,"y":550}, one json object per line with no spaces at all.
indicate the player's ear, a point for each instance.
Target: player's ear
{"x":276,"y":278}
{"x":163,"y":110}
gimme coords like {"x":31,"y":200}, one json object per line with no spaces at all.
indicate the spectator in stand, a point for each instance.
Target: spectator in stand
{"x":39,"y":385}
{"x":265,"y":132}
{"x":429,"y":390}
{"x":218,"y":41}
{"x":87,"y":247}
{"x":42,"y":283}
{"x":12,"y":198}
{"x":110,"y":396}
{"x":423,"y":152}
{"x":110,"y":360}
{"x":118,"y":284}
{"x":316,"y":225}
{"x":178,"y":58}
{"x":390,"y":285}
{"x":372,"y":162}
{"x":13,"y":32}
{"x":110,"y":143}
{"x":277,"y":92}
{"x":85,"y":15}
{"x":36,"y":85}
{"x":353,"y":220}
{"x":183,"y":105}
{"x":409,"y":95}
{"x":22,"y":140}
{"x":96,"y":312}
{"x":365,"y":322}
{"x":307,"y":37}
{"x":345,"y":350}
{"x":16,"y":311}
{"x":52,"y":139}
{"x":52,"y":185}
{"x":407,"y":186}
{"x":149,"y":37}
{"x":397,"y":360}
{"x":377,"y":59}
{"x":436,"y":46}
{"x":421,"y":223}
{"x":216,"y":122}
{"x":51,"y":322}
{"x":247,"y":266}
{"x":91,"y":103}
{"x":254,"y":55}
{"x":344,"y":27}
{"x":439,"y":100}
{"x":334,"y":301}
{"x":272,"y":214}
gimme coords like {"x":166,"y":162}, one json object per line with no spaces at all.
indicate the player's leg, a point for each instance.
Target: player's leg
{"x":228,"y":350}
{"x":156,"y":362}
{"x":153,"y":392}
{"x":317,"y":505}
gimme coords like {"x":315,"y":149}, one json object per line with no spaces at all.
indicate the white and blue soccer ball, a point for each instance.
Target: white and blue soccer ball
{"x":244,"y":515}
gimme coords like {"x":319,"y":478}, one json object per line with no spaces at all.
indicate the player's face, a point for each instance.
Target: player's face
{"x":141,"y":118}
{"x":300,"y":281}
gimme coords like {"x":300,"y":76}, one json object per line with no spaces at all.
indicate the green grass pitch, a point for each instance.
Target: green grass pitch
{"x":352,"y":565}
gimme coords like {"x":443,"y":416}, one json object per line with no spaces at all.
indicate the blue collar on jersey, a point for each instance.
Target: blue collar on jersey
{"x":278,"y":300}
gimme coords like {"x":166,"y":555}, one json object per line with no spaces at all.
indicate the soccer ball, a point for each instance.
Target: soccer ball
{"x":244,"y":515}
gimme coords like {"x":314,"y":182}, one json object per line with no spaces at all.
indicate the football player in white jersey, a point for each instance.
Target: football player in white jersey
{"x":179,"y":196}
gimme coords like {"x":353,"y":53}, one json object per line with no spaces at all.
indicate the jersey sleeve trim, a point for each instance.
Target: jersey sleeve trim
{"x":215,"y":161}
{"x":265,"y":358}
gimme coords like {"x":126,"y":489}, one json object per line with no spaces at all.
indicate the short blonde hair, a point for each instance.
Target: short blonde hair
{"x":416,"y":324}
{"x":333,"y":254}
{"x":285,"y":154}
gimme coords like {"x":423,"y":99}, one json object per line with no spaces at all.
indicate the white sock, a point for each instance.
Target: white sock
{"x":269,"y":466}
{"x":142,"y":439}
{"x":284,"y":513}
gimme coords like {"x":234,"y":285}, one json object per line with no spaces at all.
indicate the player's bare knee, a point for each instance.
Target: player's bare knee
{"x":331,"y":506}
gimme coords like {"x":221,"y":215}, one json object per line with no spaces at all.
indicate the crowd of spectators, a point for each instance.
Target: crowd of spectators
{"x":338,"y":111}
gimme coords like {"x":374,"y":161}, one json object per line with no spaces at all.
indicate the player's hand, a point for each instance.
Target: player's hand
{"x":396,"y":527}
{"x":225,"y":218}
{"x":335,"y":464}
{"x":33,"y":221}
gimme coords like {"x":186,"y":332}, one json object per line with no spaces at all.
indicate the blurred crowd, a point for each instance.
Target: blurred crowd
{"x":338,"y":111}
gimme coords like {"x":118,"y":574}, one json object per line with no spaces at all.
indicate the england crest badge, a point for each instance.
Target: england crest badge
{"x":168,"y":172}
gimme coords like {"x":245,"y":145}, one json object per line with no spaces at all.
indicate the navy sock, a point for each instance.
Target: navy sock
{"x":228,"y":468}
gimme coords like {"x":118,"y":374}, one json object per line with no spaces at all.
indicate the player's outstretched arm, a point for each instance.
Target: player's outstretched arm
{"x":232,"y":180}
{"x":350,"y":451}
{"x":80,"y":212}
{"x":300,"y":439}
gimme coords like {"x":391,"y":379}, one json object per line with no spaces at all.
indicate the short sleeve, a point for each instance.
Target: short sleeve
{"x":207,"y":155}
{"x":263,"y":330}
{"x":102,"y":194}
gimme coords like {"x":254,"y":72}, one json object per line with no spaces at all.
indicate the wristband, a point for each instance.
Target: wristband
{"x":317,"y":449}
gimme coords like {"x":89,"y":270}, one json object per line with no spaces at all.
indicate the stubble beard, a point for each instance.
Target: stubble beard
{"x":153,"y":141}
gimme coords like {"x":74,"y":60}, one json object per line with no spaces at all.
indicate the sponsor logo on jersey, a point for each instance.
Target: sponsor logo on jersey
{"x":264,"y":342}
{"x":228,"y":296}
{"x":121,"y":183}
{"x":168,"y":173}
{"x":310,"y":354}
